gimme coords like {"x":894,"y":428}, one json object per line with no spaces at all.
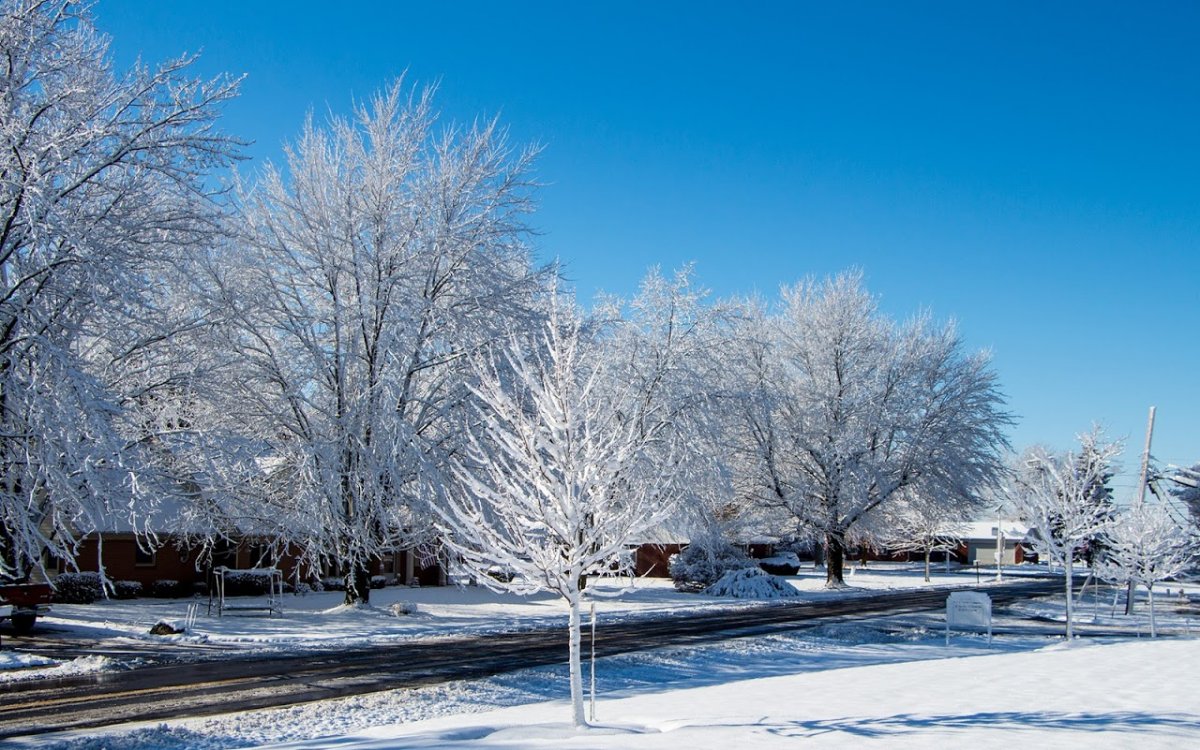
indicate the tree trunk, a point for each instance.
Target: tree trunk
{"x":1150,"y":600}
{"x":1070,"y":567}
{"x":576,"y":667}
{"x":928,"y":552}
{"x":358,"y":584}
{"x":835,"y":561}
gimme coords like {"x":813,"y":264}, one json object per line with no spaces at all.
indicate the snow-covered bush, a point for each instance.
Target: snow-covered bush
{"x":78,"y":588}
{"x":701,"y":565}
{"x":166,"y":588}
{"x":247,"y":582}
{"x":127,"y":589}
{"x":378,"y":582}
{"x":332,"y":583}
{"x":751,"y":583}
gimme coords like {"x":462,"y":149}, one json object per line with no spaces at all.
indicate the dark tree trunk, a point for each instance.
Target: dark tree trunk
{"x":835,"y":561}
{"x":358,"y":584}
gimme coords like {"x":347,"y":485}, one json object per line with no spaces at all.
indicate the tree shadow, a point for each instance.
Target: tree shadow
{"x":900,"y":724}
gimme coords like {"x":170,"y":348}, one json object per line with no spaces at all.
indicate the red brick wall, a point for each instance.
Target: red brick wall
{"x":651,"y":560}
{"x":120,"y":554}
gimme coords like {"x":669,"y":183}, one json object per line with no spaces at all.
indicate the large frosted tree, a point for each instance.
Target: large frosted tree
{"x":575,"y":457}
{"x":843,"y":411}
{"x":382,"y":255}
{"x":104,"y":201}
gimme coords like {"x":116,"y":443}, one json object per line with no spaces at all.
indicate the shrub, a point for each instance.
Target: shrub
{"x":165,"y":588}
{"x":78,"y":588}
{"x":333,"y":583}
{"x":700,"y":565}
{"x":127,"y":589}
{"x":247,"y":582}
{"x":378,"y":582}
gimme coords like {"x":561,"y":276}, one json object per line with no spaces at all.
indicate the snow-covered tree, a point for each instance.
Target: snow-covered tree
{"x":1185,"y":488}
{"x":1099,"y":494}
{"x":669,"y":340}
{"x":572,"y":461}
{"x":915,"y":524}
{"x":1054,"y":494}
{"x":845,"y":410}
{"x":365,"y":273}
{"x":104,"y":198}
{"x":1146,"y":544}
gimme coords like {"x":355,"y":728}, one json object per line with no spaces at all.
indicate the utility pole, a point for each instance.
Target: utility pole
{"x":1143,"y":479}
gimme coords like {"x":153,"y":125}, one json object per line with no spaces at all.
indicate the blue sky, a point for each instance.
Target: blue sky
{"x":1028,"y":169}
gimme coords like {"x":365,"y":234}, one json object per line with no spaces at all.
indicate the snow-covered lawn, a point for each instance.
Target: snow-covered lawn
{"x":1126,"y":695}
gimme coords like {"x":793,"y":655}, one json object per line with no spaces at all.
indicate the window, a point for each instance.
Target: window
{"x":224,"y":555}
{"x":143,"y":558}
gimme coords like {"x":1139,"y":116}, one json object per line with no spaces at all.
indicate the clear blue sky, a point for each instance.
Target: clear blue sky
{"x":1031,"y":170}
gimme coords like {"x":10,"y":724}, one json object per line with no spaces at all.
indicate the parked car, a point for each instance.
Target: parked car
{"x":23,"y":603}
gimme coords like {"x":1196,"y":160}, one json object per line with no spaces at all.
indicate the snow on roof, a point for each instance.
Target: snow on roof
{"x":988,"y":529}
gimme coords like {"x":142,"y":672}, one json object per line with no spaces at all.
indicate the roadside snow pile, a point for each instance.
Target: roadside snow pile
{"x":29,"y":667}
{"x":751,"y":583}
{"x":13,"y":660}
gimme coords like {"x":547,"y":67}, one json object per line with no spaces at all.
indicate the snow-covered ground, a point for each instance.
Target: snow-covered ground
{"x":319,"y":621}
{"x":887,"y":682}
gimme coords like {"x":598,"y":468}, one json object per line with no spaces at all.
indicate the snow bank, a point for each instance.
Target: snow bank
{"x":751,"y":583}
{"x":15,"y":666}
{"x":10,"y":660}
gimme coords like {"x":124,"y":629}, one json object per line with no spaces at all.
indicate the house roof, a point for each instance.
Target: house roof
{"x":988,"y":529}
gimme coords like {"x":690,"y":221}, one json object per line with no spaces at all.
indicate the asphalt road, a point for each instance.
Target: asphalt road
{"x":175,"y":690}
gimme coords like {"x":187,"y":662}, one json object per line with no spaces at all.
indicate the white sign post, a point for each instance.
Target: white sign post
{"x":969,"y":610}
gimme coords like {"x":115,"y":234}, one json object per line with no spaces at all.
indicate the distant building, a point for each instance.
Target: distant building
{"x":979,"y":542}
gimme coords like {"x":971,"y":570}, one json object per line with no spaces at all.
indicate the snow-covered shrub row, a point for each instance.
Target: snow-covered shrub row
{"x":751,"y":583}
{"x":78,"y":588}
{"x":701,"y":565}
{"x":247,"y":582}
{"x":127,"y":589}
{"x":167,"y":588}
{"x":332,"y":583}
